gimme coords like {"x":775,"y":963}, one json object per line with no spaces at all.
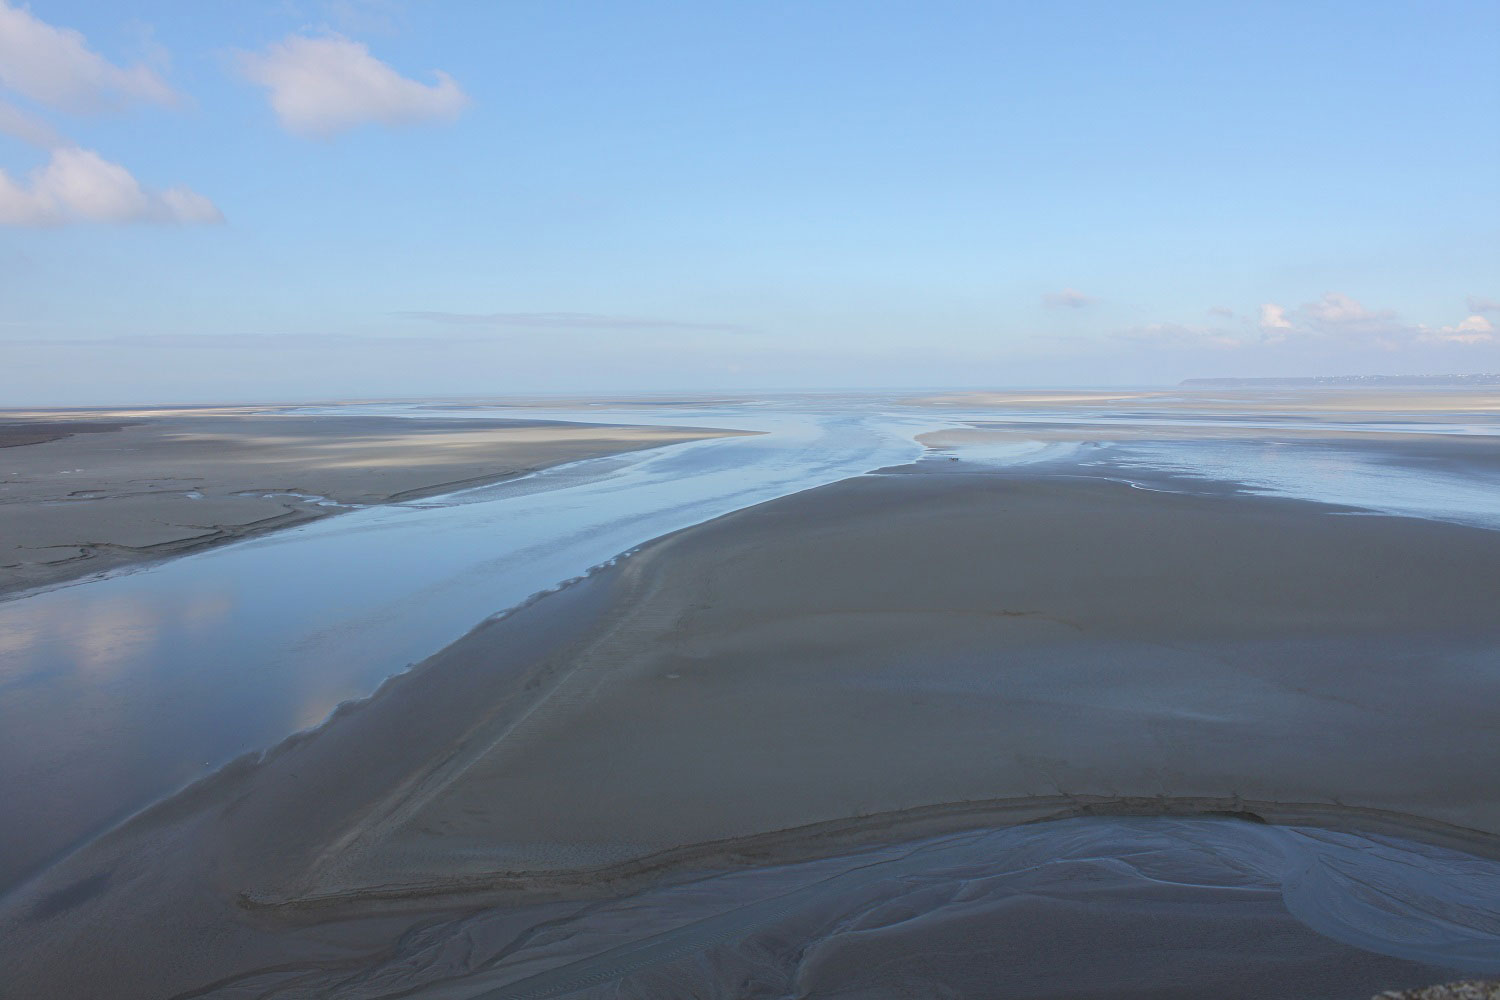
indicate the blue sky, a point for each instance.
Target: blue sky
{"x":364,"y":198}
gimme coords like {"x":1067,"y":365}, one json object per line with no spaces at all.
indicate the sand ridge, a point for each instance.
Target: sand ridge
{"x":923,"y":654}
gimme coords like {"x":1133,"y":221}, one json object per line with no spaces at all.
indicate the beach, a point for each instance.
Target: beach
{"x":749,"y":502}
{"x":894,"y":657}
{"x":83,"y":492}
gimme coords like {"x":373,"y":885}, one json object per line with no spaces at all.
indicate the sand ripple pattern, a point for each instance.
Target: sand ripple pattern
{"x":795,"y":930}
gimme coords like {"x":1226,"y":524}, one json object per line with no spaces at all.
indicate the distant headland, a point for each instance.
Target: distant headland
{"x":1457,"y":381}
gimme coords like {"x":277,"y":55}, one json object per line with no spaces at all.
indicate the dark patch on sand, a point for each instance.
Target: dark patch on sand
{"x":17,"y":433}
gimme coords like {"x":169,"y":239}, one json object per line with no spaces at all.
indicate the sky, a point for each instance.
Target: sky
{"x":313,"y":199}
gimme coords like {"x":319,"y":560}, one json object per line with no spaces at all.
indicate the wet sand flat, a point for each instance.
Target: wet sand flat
{"x":888,"y":657}
{"x":87,"y":491}
{"x":892,"y":643}
{"x":1329,"y":403}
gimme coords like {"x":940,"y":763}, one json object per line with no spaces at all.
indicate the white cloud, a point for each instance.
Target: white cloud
{"x":1334,"y":318}
{"x":1480,"y":304}
{"x":19,"y":125}
{"x":1474,"y":330}
{"x":1223,"y":312}
{"x":1338,"y":319}
{"x":1336,"y":325}
{"x":54,"y":66}
{"x":18,"y":206}
{"x":79,"y":185}
{"x":1273,"y":317}
{"x":84,"y":183}
{"x":187,"y":206}
{"x":1336,"y":309}
{"x":320,"y":86}
{"x":1070,"y":298}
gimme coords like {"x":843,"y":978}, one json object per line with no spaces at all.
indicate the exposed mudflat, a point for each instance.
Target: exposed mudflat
{"x":862,"y":667}
{"x":80,"y":495}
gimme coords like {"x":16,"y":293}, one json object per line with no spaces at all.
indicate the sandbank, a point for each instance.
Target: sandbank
{"x":85,"y":492}
{"x":887,"y":658}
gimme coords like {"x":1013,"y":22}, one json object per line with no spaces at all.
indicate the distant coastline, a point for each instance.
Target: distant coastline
{"x":1362,"y":380}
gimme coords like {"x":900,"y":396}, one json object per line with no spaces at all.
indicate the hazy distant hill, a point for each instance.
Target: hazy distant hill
{"x":1381,"y":380}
